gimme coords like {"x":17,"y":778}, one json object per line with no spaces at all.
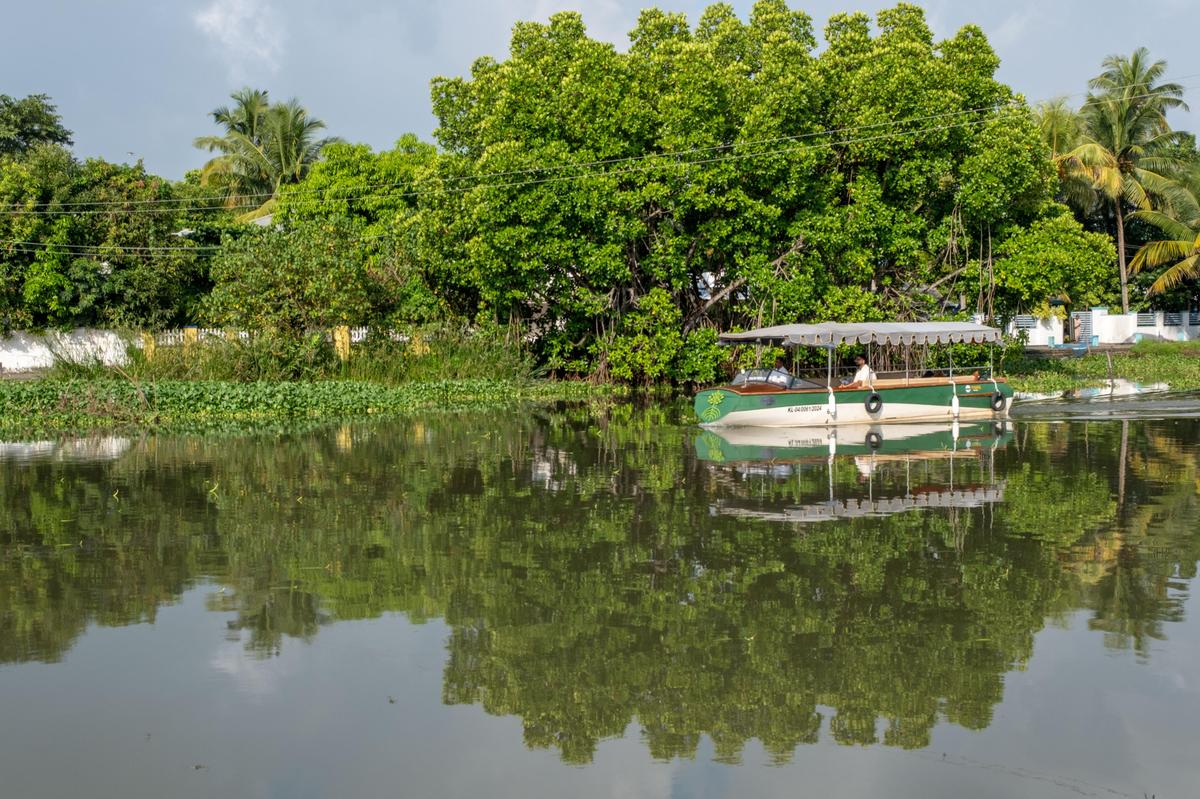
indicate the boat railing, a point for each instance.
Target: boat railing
{"x":819,"y":378}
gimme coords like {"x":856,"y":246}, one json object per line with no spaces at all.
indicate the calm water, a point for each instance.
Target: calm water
{"x":603,"y":603}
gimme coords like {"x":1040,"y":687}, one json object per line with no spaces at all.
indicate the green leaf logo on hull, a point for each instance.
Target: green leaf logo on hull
{"x":709,"y":409}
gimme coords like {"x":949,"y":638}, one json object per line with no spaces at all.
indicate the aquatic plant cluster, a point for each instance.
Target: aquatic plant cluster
{"x":50,"y":405}
{"x":611,"y":209}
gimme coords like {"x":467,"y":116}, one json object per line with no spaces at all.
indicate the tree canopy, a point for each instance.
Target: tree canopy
{"x":612,"y":207}
{"x":28,"y":122}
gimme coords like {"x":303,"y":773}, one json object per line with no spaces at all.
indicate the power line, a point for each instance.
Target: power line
{"x":116,"y":251}
{"x":109,"y":248}
{"x":480,"y":184}
{"x":675,"y":154}
{"x":558,"y":167}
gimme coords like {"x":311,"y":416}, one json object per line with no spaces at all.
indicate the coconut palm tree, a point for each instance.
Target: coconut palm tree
{"x":1061,"y":125}
{"x":1180,"y":250}
{"x":264,"y":146}
{"x":1062,"y":129}
{"x":1128,"y":149}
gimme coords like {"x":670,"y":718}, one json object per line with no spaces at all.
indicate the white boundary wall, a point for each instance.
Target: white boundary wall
{"x":1098,"y":326}
{"x":1041,"y":332}
{"x":22,"y":352}
{"x":1133,"y":327}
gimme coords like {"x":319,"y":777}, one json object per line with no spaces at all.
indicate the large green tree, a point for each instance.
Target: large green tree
{"x":98,"y":244}
{"x":733,"y":168}
{"x":28,"y":122}
{"x":1128,"y":148}
{"x":288,"y":283}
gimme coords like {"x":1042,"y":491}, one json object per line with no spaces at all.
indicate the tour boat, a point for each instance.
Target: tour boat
{"x":775,"y":398}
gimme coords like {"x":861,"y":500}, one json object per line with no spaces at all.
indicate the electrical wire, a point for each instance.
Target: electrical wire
{"x":558,"y":179}
{"x":222,"y":200}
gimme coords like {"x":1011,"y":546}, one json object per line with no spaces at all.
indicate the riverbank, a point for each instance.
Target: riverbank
{"x":106,"y":401}
{"x":64,"y":405}
{"x":1175,"y":363}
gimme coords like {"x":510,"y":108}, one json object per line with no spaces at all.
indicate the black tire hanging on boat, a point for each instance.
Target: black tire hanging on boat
{"x":997,"y":401}
{"x":874,"y":402}
{"x":874,"y":440}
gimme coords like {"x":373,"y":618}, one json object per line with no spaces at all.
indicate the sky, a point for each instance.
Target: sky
{"x":136,"y":79}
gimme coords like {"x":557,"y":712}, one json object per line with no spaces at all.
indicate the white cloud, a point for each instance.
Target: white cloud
{"x":248,"y":34}
{"x":254,"y":676}
{"x":1013,"y":29}
{"x":608,"y":20}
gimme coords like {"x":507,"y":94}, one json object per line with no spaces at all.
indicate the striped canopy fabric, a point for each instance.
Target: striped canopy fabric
{"x":824,"y":334}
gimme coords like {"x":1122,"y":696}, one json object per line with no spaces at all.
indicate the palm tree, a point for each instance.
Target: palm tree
{"x":1180,"y":250}
{"x":264,"y":146}
{"x":1061,"y":125}
{"x":1127,"y":147}
{"x":1062,"y":129}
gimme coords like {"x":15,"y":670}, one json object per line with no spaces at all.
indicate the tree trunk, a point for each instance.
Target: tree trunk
{"x":1121,"y":258}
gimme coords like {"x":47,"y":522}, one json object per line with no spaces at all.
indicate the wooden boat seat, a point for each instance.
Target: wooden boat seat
{"x":900,"y":382}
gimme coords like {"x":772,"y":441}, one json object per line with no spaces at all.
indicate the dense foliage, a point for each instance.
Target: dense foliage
{"x":611,"y":208}
{"x":28,"y":122}
{"x":93,"y":243}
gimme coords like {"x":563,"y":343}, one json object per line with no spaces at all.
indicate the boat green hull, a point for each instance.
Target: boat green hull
{"x":977,"y":400}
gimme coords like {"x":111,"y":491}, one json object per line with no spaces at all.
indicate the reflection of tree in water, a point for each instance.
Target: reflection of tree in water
{"x":588,"y":583}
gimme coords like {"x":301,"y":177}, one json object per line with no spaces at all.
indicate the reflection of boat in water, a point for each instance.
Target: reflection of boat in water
{"x":774,"y":444}
{"x":971,"y":497}
{"x":891,"y":469}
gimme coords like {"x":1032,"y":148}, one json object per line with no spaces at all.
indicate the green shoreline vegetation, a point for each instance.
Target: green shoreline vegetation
{"x":212,"y":393}
{"x":1175,"y":363}
{"x":73,"y":406}
{"x":601,"y":213}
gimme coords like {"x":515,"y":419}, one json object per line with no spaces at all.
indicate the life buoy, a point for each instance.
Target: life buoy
{"x":874,"y":402}
{"x":874,"y":440}
{"x":998,"y":401}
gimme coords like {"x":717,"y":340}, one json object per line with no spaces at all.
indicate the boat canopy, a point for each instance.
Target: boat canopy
{"x":824,"y":334}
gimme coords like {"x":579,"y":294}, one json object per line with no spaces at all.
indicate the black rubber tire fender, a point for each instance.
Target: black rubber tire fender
{"x":998,"y":401}
{"x":873,"y":403}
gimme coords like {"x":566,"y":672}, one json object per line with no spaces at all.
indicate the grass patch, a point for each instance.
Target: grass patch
{"x":1175,"y":363}
{"x":73,"y":405}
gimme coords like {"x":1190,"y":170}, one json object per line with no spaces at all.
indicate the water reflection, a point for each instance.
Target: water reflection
{"x":896,"y":468}
{"x":599,"y":568}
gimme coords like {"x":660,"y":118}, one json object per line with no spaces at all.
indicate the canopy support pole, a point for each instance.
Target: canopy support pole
{"x":830,"y":402}
{"x":953,"y":392}
{"x":992,"y":366}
